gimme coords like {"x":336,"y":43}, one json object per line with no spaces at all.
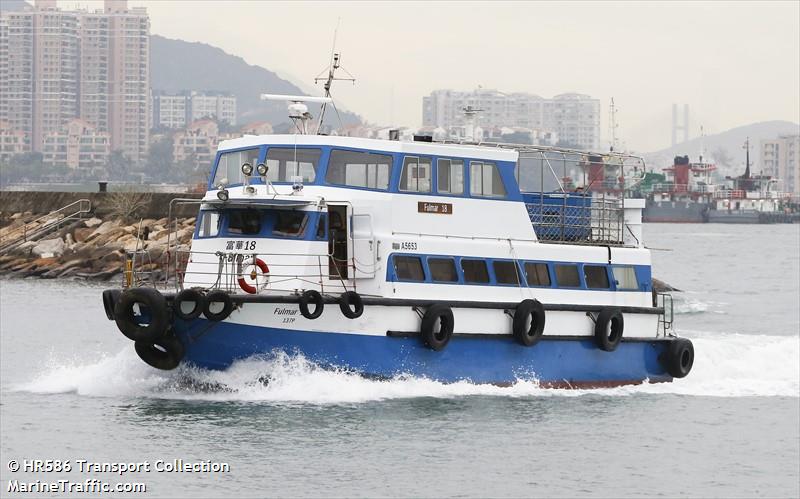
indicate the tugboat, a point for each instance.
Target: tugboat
{"x":752,"y":199}
{"x":686,"y":195}
{"x":417,"y":258}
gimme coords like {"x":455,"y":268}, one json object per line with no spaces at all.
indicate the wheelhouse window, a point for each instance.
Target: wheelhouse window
{"x":284,"y":163}
{"x":485,"y":180}
{"x":229,"y":168}
{"x":290,"y":223}
{"x":209,"y":224}
{"x":506,"y":272}
{"x":596,"y":276}
{"x":475,"y":271}
{"x":409,"y":268}
{"x":625,"y":277}
{"x":359,"y":169}
{"x":567,"y":276}
{"x":443,"y":269}
{"x":416,"y":174}
{"x":450,"y":176}
{"x":244,"y":222}
{"x":537,"y":274}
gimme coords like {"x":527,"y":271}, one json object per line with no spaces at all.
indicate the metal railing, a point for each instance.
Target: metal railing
{"x":44,"y":224}
{"x":664,"y":301}
{"x":287,"y":272}
{"x":576,"y":218}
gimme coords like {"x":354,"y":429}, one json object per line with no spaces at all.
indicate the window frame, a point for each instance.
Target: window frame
{"x":516,"y":272}
{"x":450,"y":162}
{"x":485,"y":267}
{"x":618,"y":286}
{"x":550,"y":279}
{"x":316,"y":167}
{"x":604,"y":268}
{"x":495,"y":168}
{"x":403,"y":171}
{"x":577,"y":273}
{"x":390,"y":167}
{"x":452,"y":261}
{"x":409,"y":257}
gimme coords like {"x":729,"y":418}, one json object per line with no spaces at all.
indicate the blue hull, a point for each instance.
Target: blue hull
{"x":566,"y":361}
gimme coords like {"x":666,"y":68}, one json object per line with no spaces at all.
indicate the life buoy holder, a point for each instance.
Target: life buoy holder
{"x":253,"y":275}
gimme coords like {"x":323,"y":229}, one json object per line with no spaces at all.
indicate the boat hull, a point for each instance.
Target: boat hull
{"x":555,"y":361}
{"x":675,"y":212}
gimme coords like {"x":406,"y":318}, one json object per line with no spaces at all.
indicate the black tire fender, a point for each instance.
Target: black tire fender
{"x":311,"y":296}
{"x":608,"y":329}
{"x":351,"y":304}
{"x":679,"y":357}
{"x":441,"y":313}
{"x":154,"y":302}
{"x":188,"y":296}
{"x":528,"y":323}
{"x":165,"y":353}
{"x":110,"y":299}
{"x":218,"y":296}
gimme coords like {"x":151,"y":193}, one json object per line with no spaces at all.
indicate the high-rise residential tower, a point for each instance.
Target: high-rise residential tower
{"x":59,"y":65}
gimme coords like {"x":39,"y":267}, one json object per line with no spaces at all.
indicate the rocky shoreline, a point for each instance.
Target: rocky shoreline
{"x":90,"y":249}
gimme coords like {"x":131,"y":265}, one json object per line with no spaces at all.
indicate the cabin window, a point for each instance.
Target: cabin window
{"x":408,"y":268}
{"x":506,"y":273}
{"x":290,"y":223}
{"x":450,"y":176}
{"x":485,"y":180}
{"x":625,"y":277}
{"x":567,"y":276}
{"x":416,"y":174}
{"x":443,"y":269}
{"x":359,"y":169}
{"x":596,"y":276}
{"x":287,"y":162}
{"x":322,"y":222}
{"x":244,"y":222}
{"x":475,"y":271}
{"x":537,"y":274}
{"x":209,"y":224}
{"x":229,"y":168}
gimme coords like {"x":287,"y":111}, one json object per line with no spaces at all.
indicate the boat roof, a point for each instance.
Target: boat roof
{"x":427,"y":148}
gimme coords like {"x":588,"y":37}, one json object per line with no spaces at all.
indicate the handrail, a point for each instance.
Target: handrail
{"x":82,"y":206}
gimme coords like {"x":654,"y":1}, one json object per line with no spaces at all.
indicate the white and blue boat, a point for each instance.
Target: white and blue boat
{"x":452,"y":261}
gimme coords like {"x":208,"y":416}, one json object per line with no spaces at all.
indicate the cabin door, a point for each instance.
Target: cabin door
{"x":339,"y":248}
{"x":363,"y":246}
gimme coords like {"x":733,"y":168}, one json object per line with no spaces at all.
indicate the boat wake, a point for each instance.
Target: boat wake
{"x":725,"y":366}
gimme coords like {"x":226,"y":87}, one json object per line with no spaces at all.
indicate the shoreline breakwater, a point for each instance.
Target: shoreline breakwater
{"x":93,"y":245}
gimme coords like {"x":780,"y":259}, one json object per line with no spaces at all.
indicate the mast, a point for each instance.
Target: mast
{"x":747,"y":158}
{"x":334,"y":65}
{"x":613,"y":125}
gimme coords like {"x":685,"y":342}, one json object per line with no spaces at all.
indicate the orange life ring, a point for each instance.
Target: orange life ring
{"x":257,"y":264}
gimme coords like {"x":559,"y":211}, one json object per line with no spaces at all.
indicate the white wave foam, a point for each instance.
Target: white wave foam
{"x":725,"y":365}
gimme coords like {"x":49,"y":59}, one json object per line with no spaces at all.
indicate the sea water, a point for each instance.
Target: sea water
{"x":72,"y":389}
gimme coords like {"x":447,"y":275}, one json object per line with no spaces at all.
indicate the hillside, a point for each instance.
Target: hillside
{"x":178,"y":65}
{"x":726,"y":148}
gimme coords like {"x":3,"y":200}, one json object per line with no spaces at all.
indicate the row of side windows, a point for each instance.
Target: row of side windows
{"x":367,"y":170}
{"x":442,"y":269}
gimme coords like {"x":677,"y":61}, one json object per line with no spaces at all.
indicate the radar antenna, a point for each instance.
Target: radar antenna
{"x":331,"y":69}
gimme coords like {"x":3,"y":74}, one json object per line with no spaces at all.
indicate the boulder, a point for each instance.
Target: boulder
{"x":49,"y":248}
{"x":82,"y":234}
{"x":92,"y":222}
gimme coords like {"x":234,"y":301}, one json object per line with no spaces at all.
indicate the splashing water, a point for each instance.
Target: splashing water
{"x":725,"y":365}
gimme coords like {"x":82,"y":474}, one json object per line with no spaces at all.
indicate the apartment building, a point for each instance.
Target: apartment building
{"x":177,"y":110}
{"x":77,"y":144}
{"x":12,"y":142}
{"x":58,"y":65}
{"x":573,"y":118}
{"x":197,"y":143}
{"x":780,"y":158}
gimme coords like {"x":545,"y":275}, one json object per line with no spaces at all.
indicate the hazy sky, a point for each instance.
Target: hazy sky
{"x":734,"y":63}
